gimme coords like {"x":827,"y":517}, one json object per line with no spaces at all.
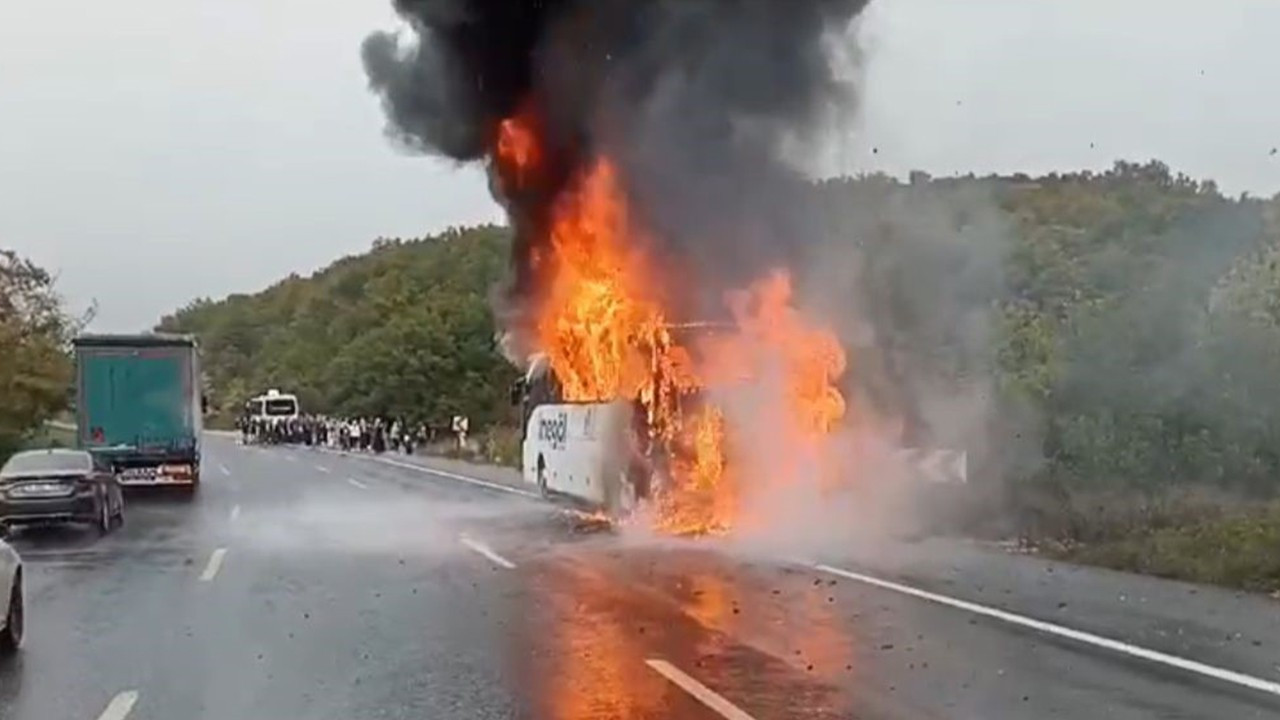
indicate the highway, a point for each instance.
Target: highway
{"x":302,"y":584}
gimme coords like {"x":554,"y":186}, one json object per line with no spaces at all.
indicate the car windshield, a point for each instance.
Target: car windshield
{"x":47,"y":461}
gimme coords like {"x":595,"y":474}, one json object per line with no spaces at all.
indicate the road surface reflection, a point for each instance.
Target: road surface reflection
{"x":595,"y":619}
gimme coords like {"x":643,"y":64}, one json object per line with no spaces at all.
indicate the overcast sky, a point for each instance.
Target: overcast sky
{"x":155,"y":151}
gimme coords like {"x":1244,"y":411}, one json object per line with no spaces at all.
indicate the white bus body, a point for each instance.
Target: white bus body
{"x":580,"y":450}
{"x":273,"y":407}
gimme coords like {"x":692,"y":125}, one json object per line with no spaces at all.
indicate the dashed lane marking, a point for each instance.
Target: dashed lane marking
{"x":214,"y":564}
{"x":700,"y":692}
{"x":1049,"y":628}
{"x":120,"y":706}
{"x":356,"y":483}
{"x":223,"y":469}
{"x":323,"y":469}
{"x":486,"y":551}
{"x":235,"y":513}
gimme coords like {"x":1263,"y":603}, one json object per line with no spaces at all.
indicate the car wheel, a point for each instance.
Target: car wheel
{"x":104,"y":514}
{"x":119,"y":514}
{"x":11,"y":636}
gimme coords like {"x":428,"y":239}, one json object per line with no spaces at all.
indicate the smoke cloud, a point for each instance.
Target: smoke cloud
{"x":694,"y":100}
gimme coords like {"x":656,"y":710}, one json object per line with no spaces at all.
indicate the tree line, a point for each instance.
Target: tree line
{"x":405,"y":330}
{"x":1086,"y":336}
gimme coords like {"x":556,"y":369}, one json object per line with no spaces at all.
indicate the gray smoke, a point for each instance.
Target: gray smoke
{"x":694,"y":101}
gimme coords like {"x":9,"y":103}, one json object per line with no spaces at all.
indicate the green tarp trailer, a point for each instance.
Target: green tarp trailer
{"x":138,"y":400}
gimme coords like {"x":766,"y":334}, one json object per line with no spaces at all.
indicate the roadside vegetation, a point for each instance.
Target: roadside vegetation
{"x":405,"y":330}
{"x":1105,"y":345}
{"x":1224,"y":542}
{"x":35,"y":365}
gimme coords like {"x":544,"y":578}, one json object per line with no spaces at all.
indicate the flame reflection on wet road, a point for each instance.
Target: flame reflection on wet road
{"x":594,"y":618}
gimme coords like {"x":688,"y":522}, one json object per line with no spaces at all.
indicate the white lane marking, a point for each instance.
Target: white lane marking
{"x":235,"y":513}
{"x":356,"y":483}
{"x":323,"y":469}
{"x":215,"y":562}
{"x":486,"y":551}
{"x":700,"y":692}
{"x":223,"y":469}
{"x":454,"y":476}
{"x":290,"y":458}
{"x":120,"y":706}
{"x":1155,"y":656}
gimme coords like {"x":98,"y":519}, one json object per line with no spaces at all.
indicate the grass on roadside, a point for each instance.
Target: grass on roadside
{"x":496,"y":446}
{"x":1190,"y":538}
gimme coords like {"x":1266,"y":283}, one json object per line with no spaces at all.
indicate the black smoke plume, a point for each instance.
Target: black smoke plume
{"x":693,"y":100}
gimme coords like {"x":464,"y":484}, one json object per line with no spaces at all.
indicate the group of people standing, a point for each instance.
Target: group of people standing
{"x":377,"y":435}
{"x":364,"y":434}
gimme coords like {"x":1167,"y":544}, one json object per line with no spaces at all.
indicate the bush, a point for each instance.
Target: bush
{"x":502,"y":446}
{"x":499,"y":445}
{"x":1237,"y":547}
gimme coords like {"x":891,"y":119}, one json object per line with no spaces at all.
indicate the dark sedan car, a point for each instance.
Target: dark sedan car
{"x":50,"y":486}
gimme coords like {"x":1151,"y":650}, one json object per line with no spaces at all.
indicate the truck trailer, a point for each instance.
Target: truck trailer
{"x":139,"y":405}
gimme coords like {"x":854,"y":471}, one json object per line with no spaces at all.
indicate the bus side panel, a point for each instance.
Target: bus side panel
{"x":579,"y":448}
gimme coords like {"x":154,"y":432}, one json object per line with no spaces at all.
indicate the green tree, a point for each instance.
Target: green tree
{"x":35,"y":368}
{"x":404,"y":330}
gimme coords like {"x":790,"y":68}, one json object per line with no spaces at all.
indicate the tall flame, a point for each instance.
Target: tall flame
{"x":603,"y":322}
{"x":598,"y":313}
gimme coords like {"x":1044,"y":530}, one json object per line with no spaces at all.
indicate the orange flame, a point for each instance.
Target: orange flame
{"x":603,"y":324}
{"x":798,"y":363}
{"x":811,"y":358}
{"x":597,"y":315}
{"x":699,"y":499}
{"x":517,"y":148}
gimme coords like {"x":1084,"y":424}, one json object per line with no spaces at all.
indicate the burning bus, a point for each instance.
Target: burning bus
{"x":637,"y":149}
{"x":607,"y":454}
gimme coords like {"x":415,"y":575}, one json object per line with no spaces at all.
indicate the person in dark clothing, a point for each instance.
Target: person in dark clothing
{"x":406,"y":438}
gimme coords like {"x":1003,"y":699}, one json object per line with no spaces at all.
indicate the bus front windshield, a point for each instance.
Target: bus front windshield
{"x":277,"y":407}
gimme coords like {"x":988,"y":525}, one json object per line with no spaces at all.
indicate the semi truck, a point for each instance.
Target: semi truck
{"x":139,"y":404}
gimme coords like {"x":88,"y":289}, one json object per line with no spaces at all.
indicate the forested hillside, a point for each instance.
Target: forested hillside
{"x":1128,"y":319}
{"x":406,"y":329}
{"x":1084,"y":335}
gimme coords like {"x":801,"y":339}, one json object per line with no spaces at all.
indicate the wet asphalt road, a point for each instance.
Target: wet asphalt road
{"x":304,"y":585}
